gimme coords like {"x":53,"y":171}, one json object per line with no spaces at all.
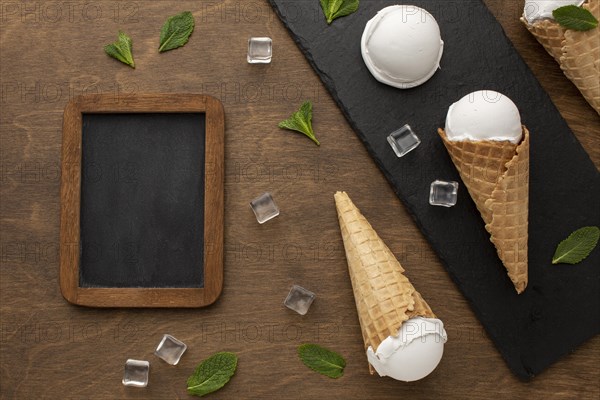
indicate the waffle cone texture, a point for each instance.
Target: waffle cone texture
{"x":577,"y":52}
{"x":384,"y":296}
{"x":496,"y":174}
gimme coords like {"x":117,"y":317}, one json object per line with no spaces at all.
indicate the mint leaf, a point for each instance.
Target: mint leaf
{"x":576,"y":18}
{"x":338,"y":8}
{"x":347,"y":8}
{"x":121,"y":50}
{"x":301,"y":121}
{"x":577,"y":246}
{"x":176,"y":31}
{"x":330,"y":7}
{"x":212,"y":374}
{"x":322,"y":360}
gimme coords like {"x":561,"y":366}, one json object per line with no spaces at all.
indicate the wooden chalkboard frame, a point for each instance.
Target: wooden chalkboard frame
{"x":71,"y":201}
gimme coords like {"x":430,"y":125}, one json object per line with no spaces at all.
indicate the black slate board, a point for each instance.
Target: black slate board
{"x":560,"y":308}
{"x":142,"y":200}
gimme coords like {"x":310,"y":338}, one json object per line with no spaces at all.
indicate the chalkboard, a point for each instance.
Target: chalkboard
{"x":142,"y":201}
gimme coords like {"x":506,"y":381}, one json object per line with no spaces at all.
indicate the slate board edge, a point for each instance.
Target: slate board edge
{"x":519,"y":369}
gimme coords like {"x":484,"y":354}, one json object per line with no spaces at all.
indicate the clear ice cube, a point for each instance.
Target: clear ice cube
{"x":403,"y":140}
{"x":299,"y":299}
{"x":170,"y":349}
{"x":136,"y":373}
{"x":443,"y":193}
{"x":264,"y":208}
{"x":260,"y":50}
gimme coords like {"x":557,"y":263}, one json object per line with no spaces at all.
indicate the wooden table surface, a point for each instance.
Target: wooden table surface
{"x":52,"y":51}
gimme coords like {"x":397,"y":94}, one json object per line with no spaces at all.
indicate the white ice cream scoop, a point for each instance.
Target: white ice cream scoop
{"x":414,"y":353}
{"x":539,"y":9}
{"x":402,"y":46}
{"x":484,"y":115}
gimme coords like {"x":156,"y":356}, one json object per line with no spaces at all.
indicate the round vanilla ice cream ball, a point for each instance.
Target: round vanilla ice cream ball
{"x":414,"y":353}
{"x":402,"y":46}
{"x":484,"y":115}
{"x":540,"y":9}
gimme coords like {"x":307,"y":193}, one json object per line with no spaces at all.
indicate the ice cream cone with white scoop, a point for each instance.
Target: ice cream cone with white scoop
{"x":577,"y":52}
{"x":490,"y":149}
{"x":403,"y":338}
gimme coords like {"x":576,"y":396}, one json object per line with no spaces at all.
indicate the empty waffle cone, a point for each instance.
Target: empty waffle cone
{"x":384,"y":296}
{"x":577,"y":52}
{"x":496,"y":174}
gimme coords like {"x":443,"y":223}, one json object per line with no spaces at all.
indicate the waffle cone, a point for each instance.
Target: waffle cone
{"x":577,"y":52}
{"x":496,"y":174}
{"x":384,"y":296}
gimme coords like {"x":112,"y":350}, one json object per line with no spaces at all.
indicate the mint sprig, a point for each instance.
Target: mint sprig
{"x":338,"y":8}
{"x":322,"y":360}
{"x":576,"y":18}
{"x":577,"y":246}
{"x":176,"y":31}
{"x":301,"y":121}
{"x":212,"y":374}
{"x":121,"y":50}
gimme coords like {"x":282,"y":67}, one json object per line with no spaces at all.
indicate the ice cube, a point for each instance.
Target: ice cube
{"x":264,"y":208}
{"x":403,"y":140}
{"x":170,"y":349}
{"x":260,"y":50}
{"x":136,"y":373}
{"x":442,"y":193}
{"x":299,"y":299}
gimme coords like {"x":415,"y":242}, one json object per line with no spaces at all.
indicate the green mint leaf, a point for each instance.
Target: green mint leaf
{"x":300,"y":121}
{"x":576,"y":18}
{"x":322,"y":360}
{"x":212,"y":374}
{"x":577,"y":246}
{"x":347,"y":8}
{"x":338,"y":8}
{"x":330,"y":7}
{"x":121,"y":50}
{"x":176,"y":31}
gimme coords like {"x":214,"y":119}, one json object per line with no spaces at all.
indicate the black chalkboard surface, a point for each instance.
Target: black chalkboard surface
{"x":142,"y":201}
{"x":560,"y":308}
{"x":149,"y":170}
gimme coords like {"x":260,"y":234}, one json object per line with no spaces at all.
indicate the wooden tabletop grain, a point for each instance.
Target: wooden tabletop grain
{"x":52,"y":51}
